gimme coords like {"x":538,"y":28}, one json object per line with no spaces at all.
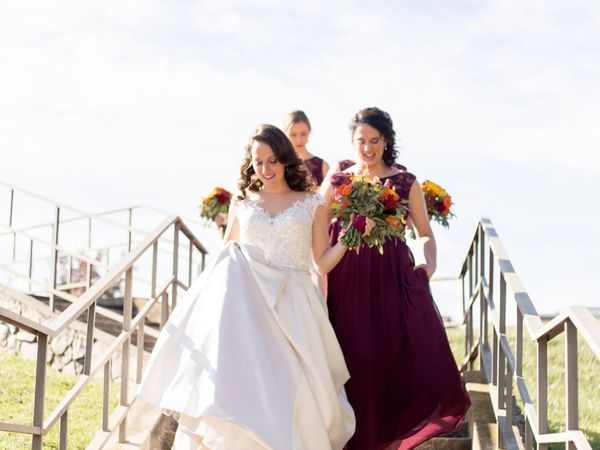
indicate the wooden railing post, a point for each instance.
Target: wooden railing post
{"x":125,"y":360}
{"x":164,"y":309}
{"x":466,"y":308}
{"x":63,"y":431}
{"x":89,"y":338}
{"x":154,"y":268}
{"x":130,"y":222}
{"x":10,"y":223}
{"x":106,"y":396}
{"x":190,"y":261}
{"x":542,"y":388}
{"x":30,"y":263}
{"x":175,"y":265}
{"x":40,"y":389}
{"x":54,"y":258}
{"x":571,"y":382}
{"x":501,"y":333}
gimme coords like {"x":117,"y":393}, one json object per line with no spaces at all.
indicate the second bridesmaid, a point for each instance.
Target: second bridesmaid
{"x":297,"y":127}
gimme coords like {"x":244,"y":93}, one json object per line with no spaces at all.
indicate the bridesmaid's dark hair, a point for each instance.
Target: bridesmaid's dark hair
{"x":296,"y":175}
{"x":382,"y":122}
{"x":294,"y":117}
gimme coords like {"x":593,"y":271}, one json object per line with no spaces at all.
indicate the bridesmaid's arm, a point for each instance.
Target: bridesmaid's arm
{"x":232,"y":232}
{"x":324,"y":256}
{"x":422,"y":228}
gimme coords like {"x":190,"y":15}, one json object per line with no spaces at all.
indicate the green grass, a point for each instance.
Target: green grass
{"x":17,"y":384}
{"x":588,"y":374}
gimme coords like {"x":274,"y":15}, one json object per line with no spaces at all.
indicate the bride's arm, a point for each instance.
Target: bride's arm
{"x":326,"y":189}
{"x":324,"y":256}
{"x":232,"y":232}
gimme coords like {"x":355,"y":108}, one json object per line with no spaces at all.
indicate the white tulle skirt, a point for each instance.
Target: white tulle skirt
{"x":248,"y":360}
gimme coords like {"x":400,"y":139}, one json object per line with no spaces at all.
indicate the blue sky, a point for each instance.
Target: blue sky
{"x":152,"y":101}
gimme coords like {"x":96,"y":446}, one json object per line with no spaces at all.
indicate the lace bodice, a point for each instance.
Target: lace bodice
{"x":286,"y":237}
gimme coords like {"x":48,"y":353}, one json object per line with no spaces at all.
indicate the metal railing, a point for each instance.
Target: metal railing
{"x":43,"y":250}
{"x":487,"y":278}
{"x":99,"y":365}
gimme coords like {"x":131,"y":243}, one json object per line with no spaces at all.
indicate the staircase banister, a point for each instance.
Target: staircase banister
{"x":577,"y":437}
{"x":69,"y":220}
{"x":166,"y":213}
{"x":65,"y":251}
{"x":464,"y":266}
{"x":585,"y":322}
{"x":64,"y":207}
{"x":16,"y":319}
{"x":185,"y":230}
{"x":109,"y":278}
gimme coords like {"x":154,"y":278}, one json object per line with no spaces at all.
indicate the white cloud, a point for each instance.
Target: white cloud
{"x":151,"y":102}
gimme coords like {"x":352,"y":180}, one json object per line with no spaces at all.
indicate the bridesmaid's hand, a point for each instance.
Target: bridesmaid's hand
{"x":428,"y":268}
{"x":370,"y":224}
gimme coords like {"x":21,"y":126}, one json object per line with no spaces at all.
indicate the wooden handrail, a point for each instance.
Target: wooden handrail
{"x":584,"y":321}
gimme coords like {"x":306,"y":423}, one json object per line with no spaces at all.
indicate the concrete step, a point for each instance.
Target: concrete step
{"x":458,"y":439}
{"x":446,"y":443}
{"x":481,"y":414}
{"x":142,"y":422}
{"x":478,"y":432}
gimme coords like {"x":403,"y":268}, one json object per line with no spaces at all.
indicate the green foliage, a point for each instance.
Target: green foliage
{"x":17,"y":387}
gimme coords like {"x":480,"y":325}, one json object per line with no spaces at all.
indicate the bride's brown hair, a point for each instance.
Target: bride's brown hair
{"x":296,"y":175}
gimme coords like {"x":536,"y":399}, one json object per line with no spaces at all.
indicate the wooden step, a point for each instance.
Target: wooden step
{"x":481,"y":414}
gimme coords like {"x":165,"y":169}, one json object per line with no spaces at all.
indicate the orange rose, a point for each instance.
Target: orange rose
{"x":345,"y":189}
{"x":393,"y":221}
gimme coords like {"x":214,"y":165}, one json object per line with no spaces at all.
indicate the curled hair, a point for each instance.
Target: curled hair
{"x":382,"y":122}
{"x":294,"y":117}
{"x":296,"y":174}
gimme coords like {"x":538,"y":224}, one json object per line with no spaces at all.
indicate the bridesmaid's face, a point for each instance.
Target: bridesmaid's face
{"x":266,"y":165}
{"x":298,"y":134}
{"x":369,"y":144}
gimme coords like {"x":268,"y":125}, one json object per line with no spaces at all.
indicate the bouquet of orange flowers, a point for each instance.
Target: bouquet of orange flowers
{"x":438,"y":202}
{"x":357,"y":198}
{"x":215,"y":206}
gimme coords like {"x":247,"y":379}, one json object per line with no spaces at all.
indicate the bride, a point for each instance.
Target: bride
{"x":248,"y":359}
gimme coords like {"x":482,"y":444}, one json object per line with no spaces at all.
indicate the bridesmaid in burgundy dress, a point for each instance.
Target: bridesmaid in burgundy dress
{"x":404,"y":385}
{"x":297,"y":127}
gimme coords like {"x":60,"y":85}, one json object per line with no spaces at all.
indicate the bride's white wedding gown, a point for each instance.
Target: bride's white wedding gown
{"x":248,"y":359}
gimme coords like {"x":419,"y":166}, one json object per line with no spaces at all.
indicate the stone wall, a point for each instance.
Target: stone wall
{"x":65,"y":352}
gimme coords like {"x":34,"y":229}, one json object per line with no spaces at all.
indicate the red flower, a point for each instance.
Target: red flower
{"x":360,"y":223}
{"x":440,"y":207}
{"x":221,"y":198}
{"x":340,"y":178}
{"x":389,"y":198}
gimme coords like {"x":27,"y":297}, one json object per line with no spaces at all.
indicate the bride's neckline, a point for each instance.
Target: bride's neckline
{"x":274,"y":215}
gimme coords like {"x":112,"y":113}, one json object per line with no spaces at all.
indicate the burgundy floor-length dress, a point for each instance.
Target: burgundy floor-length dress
{"x":404,"y":384}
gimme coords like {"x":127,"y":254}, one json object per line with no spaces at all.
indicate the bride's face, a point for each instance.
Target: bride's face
{"x":266,"y":165}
